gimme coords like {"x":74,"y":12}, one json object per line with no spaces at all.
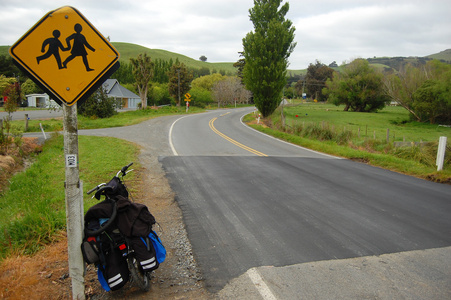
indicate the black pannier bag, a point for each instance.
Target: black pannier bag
{"x":144,"y":253}
{"x":133,"y":219}
{"x":115,"y":271}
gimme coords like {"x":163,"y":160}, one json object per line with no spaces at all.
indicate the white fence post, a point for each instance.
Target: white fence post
{"x":441,"y":153}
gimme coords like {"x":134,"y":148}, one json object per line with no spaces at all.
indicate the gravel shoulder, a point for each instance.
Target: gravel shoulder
{"x":179,"y":276}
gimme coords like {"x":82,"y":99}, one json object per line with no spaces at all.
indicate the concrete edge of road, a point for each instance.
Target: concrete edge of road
{"x":282,"y":141}
{"x":418,"y":274}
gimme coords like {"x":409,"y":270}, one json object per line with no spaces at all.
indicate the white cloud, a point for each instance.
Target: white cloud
{"x":376,"y":30}
{"x":327,"y":30}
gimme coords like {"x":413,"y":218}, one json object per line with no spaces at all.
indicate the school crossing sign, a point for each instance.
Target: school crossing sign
{"x":66,"y":55}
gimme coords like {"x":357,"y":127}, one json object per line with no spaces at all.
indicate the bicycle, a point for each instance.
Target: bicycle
{"x":111,"y":241}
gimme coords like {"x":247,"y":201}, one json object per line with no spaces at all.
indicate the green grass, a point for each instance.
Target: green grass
{"x":394,"y":118}
{"x":329,"y":129}
{"x":32,"y":209}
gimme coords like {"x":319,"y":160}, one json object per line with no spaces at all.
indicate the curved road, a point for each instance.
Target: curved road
{"x":250,"y":201}
{"x":329,"y":228}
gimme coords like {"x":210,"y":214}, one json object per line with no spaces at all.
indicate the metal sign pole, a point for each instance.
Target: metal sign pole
{"x":74,"y":213}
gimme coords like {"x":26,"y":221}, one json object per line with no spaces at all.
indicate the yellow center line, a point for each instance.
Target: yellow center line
{"x":232,"y":140}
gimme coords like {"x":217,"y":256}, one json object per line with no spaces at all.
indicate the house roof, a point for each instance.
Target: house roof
{"x":114,"y":89}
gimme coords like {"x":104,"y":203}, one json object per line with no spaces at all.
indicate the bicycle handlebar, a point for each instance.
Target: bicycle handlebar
{"x":95,"y":189}
{"x":123,"y":171}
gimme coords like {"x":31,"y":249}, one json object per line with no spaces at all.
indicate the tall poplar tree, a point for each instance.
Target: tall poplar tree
{"x":266,"y":53}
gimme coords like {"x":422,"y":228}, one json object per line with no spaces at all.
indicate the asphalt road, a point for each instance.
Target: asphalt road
{"x":251,"y":201}
{"x":37,"y":114}
{"x":269,"y":220}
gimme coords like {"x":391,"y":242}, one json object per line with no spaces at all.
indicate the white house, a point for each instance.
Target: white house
{"x":112,"y":87}
{"x":40,"y":100}
{"x":126,"y":97}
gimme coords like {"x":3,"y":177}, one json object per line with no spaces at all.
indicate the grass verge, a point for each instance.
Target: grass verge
{"x":363,"y":137}
{"x":32,"y":209}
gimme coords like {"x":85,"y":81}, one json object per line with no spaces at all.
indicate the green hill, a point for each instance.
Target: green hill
{"x":4,"y":50}
{"x":128,"y":51}
{"x":443,"y":55}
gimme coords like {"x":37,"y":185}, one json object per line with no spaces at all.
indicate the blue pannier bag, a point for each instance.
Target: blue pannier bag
{"x":160,"y":251}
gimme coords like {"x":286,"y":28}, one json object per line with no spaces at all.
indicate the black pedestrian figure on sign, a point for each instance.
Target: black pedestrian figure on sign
{"x":78,"y":48}
{"x":54,"y":46}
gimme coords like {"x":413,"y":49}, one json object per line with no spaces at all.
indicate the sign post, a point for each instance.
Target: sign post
{"x":66,"y":56}
{"x":74,"y":195}
{"x":187,"y":100}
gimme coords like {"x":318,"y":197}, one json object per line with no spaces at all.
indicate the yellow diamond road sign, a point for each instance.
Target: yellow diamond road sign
{"x":66,"y":55}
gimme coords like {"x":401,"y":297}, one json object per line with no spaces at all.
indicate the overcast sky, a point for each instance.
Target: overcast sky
{"x":326,"y":30}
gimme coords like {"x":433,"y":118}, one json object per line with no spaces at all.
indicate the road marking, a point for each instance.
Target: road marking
{"x":260,"y":285}
{"x":232,"y":140}
{"x":170,"y":136}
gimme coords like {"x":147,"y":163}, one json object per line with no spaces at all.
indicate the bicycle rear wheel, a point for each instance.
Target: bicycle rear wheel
{"x":139,"y":277}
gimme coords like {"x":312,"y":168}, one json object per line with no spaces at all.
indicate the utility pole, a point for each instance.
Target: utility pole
{"x":178,"y":73}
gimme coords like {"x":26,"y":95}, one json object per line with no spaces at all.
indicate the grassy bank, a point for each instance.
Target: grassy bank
{"x":366,"y":137}
{"x":32,"y":209}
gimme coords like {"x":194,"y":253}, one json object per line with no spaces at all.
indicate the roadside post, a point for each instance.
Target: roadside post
{"x":69,"y":59}
{"x":441,"y":153}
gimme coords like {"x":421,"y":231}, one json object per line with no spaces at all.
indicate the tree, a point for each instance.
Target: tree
{"x":230,"y":90}
{"x":179,"y":81}
{"x":29,"y":87}
{"x":401,"y":87}
{"x":11,"y":96}
{"x":432,"y":101}
{"x":203,"y":58}
{"x":266,"y":52}
{"x":358,"y":87}
{"x":160,"y":94}
{"x":161,"y":69}
{"x":124,"y":74}
{"x":240,"y":66}
{"x":98,"y":105}
{"x":200,"y":97}
{"x":8,"y":68}
{"x":143,"y":72}
{"x":203,"y":71}
{"x":315,"y":80}
{"x":207,"y":82}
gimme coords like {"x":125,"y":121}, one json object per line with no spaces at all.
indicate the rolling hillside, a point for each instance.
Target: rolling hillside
{"x":128,"y":50}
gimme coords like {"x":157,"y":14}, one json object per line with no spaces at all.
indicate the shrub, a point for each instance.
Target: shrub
{"x":159,"y":94}
{"x":201,"y":97}
{"x":98,"y":105}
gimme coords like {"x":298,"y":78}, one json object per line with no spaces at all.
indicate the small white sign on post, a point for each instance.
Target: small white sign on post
{"x":441,"y":153}
{"x":71,"y":160}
